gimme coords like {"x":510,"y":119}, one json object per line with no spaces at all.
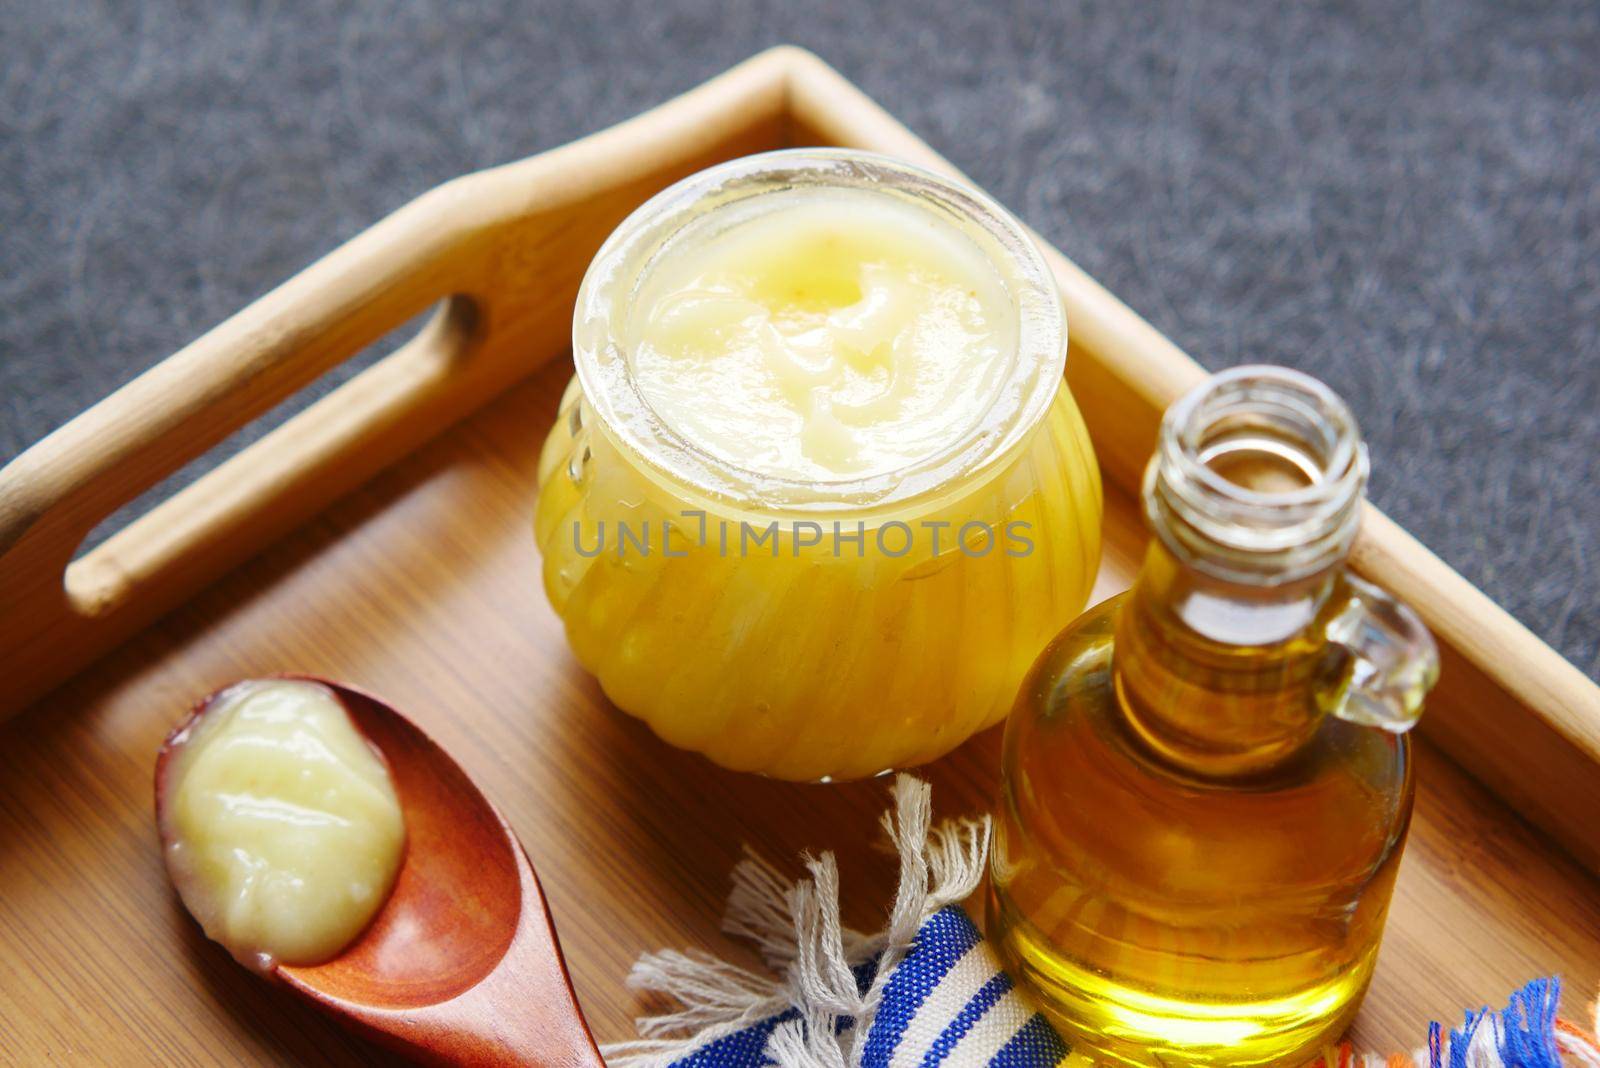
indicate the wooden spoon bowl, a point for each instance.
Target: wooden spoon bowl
{"x":461,"y":965}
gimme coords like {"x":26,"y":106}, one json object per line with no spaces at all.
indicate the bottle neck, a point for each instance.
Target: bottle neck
{"x":1220,"y":678}
{"x":1222,"y":662}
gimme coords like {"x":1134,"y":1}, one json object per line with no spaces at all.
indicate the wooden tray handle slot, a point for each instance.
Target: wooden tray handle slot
{"x":216,"y":506}
{"x":504,"y":249}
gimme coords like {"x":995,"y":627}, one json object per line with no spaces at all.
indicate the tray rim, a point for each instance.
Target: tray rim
{"x":1517,"y":695}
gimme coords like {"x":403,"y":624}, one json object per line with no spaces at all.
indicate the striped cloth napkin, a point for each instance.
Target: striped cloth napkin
{"x":928,"y":992}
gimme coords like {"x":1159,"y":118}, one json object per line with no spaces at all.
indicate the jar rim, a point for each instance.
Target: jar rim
{"x":606,"y":374}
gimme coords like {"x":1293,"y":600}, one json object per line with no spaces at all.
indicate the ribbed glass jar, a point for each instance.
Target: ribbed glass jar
{"x":815,"y":629}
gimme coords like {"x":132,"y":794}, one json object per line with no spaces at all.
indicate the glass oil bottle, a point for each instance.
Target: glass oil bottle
{"x":1207,"y":780}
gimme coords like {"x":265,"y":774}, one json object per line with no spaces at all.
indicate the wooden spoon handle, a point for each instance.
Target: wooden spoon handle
{"x":524,"y":1012}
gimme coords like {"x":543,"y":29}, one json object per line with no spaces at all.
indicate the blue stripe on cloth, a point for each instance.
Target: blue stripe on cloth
{"x":945,"y":938}
{"x":1036,"y":1045}
{"x":742,"y":1049}
{"x":1528,"y":1035}
{"x":1461,"y":1041}
{"x":1525,"y":1036}
{"x":981,"y":1002}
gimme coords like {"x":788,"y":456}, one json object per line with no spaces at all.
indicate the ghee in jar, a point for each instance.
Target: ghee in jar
{"x":818,"y":494}
{"x":841,"y":334}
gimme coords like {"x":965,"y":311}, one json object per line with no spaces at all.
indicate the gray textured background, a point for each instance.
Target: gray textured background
{"x":1401,"y":198}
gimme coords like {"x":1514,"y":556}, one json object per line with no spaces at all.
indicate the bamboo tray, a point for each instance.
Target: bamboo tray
{"x":383,"y":538}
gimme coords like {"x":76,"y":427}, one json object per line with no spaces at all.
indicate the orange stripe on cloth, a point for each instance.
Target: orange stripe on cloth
{"x":1572,"y":1030}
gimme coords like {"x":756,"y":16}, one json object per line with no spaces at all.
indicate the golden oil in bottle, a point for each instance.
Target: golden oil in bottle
{"x":1207,"y":781}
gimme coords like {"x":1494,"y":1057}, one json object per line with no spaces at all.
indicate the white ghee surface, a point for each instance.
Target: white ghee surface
{"x":829,"y":334}
{"x":283,"y":832}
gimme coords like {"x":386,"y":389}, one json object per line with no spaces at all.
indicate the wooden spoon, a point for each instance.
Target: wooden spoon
{"x":461,"y":965}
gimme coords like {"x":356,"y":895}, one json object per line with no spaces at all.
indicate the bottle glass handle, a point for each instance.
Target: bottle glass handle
{"x":1393,"y":659}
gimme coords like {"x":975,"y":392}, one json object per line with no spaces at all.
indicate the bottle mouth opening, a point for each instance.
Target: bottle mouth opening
{"x":605,"y":368}
{"x":1259,"y":476}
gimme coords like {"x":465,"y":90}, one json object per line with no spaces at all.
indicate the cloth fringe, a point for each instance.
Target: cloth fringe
{"x":1526,"y":1034}
{"x":797,"y":929}
{"x":832,"y":977}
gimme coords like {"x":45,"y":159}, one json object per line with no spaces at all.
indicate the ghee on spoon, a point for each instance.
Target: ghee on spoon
{"x":329,"y":844}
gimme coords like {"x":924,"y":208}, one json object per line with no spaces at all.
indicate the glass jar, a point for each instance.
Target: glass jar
{"x":1206,"y":781}
{"x":814,"y":629}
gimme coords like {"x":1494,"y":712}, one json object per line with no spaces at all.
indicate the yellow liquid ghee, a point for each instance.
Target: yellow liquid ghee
{"x":283,"y":831}
{"x":867,"y":498}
